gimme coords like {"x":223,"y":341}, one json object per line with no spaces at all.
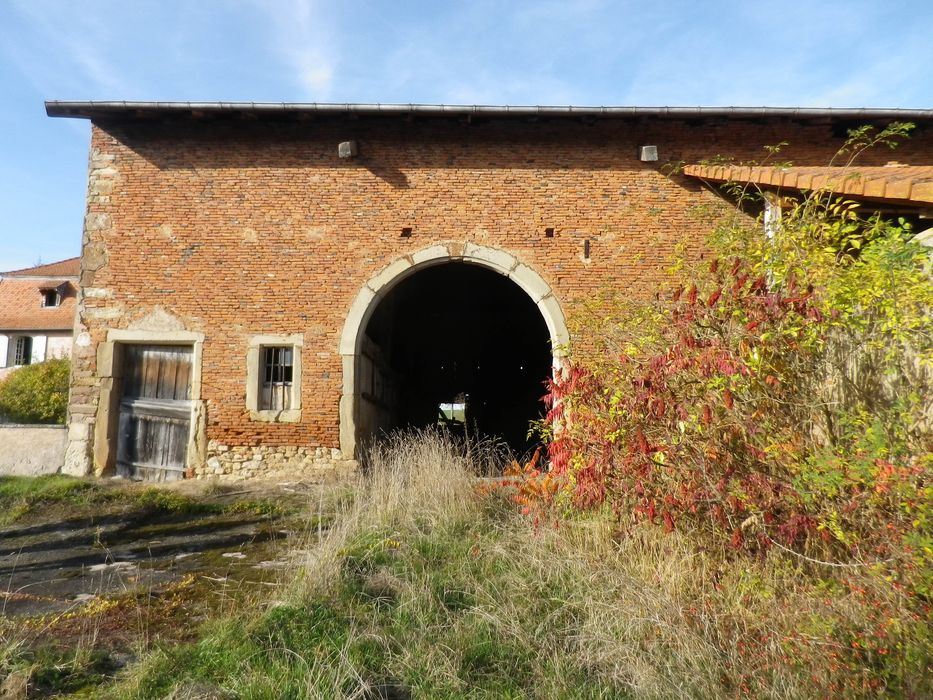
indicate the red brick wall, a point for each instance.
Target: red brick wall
{"x":244,"y":228}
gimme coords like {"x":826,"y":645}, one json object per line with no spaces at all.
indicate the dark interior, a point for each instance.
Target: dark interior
{"x":460,"y":333}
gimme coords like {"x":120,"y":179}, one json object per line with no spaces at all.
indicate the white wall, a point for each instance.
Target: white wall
{"x":44,"y":347}
{"x":31,"y":450}
{"x":58,"y":345}
{"x":38,"y":348}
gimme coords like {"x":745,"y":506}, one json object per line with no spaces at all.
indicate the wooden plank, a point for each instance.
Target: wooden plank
{"x":154,"y":407}
{"x":158,"y":372}
{"x":168,"y":368}
{"x":131,"y":371}
{"x":155,"y":413}
{"x":154,"y":441}
{"x":150,"y":375}
{"x":181,"y":390}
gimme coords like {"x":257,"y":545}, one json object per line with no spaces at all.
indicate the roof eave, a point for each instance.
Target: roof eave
{"x":102,"y":109}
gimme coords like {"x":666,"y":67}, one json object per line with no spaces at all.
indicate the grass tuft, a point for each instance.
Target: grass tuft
{"x":426,"y":586}
{"x":20,"y":495}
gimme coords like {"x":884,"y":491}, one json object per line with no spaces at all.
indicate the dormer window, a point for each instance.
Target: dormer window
{"x":51,"y":298}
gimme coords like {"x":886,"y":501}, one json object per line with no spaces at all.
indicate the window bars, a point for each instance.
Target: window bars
{"x":275,"y":391}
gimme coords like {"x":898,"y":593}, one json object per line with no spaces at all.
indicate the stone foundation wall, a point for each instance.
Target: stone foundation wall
{"x":272,"y":462}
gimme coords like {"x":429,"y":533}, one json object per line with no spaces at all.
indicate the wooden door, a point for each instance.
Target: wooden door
{"x":155,"y":412}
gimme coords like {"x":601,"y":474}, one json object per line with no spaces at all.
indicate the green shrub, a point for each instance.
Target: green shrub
{"x":36,"y":393}
{"x":774,"y":400}
{"x":776,"y":394}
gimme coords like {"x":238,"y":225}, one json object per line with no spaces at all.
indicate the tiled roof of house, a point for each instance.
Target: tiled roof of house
{"x":21,"y":298}
{"x":63,"y":268}
{"x":21,"y":306}
{"x":893,"y":183}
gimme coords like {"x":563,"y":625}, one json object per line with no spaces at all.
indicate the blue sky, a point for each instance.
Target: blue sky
{"x":847,"y":53}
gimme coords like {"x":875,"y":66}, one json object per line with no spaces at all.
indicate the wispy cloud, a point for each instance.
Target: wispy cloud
{"x":63,"y":48}
{"x":749,"y":54}
{"x":468,"y":53}
{"x":302,"y":36}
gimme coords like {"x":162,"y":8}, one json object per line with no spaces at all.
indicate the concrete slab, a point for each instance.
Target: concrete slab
{"x":32,"y":450}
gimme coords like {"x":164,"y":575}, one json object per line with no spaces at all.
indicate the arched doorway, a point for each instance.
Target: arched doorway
{"x":450,"y":329}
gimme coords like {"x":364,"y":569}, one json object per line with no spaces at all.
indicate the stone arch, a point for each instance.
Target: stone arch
{"x":377,"y":287}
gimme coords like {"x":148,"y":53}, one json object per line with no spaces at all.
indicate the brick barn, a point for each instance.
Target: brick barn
{"x":266,"y":287}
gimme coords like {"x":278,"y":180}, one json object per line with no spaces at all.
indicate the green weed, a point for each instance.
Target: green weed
{"x":165,"y":501}
{"x":20,"y":495}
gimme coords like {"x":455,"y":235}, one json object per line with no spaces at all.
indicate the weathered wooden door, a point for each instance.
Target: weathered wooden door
{"x":155,"y":412}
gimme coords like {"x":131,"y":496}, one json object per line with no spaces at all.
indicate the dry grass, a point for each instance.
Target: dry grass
{"x":425,"y":586}
{"x":413,"y":481}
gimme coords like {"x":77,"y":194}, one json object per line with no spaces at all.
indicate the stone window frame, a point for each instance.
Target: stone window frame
{"x":254,"y":376}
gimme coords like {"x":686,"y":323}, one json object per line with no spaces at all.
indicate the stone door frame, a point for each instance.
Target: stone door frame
{"x":110,"y":373}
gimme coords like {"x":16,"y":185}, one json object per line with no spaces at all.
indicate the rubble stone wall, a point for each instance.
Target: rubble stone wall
{"x":286,"y":462}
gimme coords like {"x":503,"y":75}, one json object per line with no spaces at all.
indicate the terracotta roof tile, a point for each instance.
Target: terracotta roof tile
{"x":898,"y":183}
{"x":21,"y":305}
{"x":63,"y":268}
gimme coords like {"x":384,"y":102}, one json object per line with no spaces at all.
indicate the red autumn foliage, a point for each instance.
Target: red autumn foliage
{"x":708,"y":424}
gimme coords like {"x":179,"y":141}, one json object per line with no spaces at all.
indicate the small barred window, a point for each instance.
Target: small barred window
{"x":275,"y":390}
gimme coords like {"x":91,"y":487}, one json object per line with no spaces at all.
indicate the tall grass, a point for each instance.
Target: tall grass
{"x":426,"y":586}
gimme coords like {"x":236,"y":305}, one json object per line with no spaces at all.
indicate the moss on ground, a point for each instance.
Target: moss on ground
{"x":76,"y":652}
{"x":22,"y":496}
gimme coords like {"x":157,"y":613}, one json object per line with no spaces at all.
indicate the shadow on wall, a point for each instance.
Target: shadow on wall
{"x":390,"y":150}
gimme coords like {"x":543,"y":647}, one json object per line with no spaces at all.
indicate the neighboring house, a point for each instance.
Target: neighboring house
{"x":265,"y":288}
{"x":37,"y":312}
